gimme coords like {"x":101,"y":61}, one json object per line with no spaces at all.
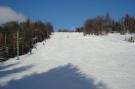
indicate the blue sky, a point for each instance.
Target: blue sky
{"x":70,"y":13}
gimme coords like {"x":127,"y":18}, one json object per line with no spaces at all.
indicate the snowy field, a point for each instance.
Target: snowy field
{"x":72,"y":61}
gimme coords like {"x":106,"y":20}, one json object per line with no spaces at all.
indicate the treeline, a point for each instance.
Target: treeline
{"x":29,"y":34}
{"x":65,"y":30}
{"x":102,"y":25}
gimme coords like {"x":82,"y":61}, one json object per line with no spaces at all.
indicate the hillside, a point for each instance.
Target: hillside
{"x":73,"y":61}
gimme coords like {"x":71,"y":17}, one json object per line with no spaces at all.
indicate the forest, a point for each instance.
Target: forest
{"x":102,"y":25}
{"x":29,"y":33}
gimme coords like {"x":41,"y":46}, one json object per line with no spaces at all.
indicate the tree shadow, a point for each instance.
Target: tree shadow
{"x":7,"y":66}
{"x":64,"y":77}
{"x":16,"y":70}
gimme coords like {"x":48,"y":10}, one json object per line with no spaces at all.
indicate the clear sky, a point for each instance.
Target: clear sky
{"x":70,"y":13}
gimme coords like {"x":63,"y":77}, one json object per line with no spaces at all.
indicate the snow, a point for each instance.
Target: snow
{"x":73,"y":61}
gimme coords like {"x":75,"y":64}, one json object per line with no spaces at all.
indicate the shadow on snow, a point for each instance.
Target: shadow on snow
{"x":63,"y":77}
{"x":7,"y":66}
{"x":16,"y":70}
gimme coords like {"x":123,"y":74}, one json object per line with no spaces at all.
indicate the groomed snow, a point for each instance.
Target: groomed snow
{"x":108,"y":59}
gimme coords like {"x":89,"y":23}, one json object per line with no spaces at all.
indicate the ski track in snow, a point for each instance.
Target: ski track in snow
{"x":109,"y":59}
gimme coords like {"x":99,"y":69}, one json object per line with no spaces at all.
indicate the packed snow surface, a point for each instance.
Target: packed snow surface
{"x":107,"y":59}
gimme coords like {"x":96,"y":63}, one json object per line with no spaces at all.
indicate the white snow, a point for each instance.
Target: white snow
{"x":108,"y":59}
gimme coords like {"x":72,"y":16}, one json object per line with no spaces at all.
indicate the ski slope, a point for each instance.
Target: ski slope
{"x":101,"y":62}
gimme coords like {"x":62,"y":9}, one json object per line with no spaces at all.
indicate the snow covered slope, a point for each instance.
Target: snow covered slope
{"x":108,"y":59}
